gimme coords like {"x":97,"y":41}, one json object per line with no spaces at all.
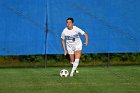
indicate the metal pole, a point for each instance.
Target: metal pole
{"x":45,"y":59}
{"x":108,"y":61}
{"x":46,"y":37}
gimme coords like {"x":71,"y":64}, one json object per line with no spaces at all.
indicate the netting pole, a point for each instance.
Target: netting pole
{"x":45,"y":59}
{"x":46,"y":38}
{"x":108,"y":60}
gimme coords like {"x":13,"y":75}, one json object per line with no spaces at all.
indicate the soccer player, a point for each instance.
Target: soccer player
{"x":70,"y":38}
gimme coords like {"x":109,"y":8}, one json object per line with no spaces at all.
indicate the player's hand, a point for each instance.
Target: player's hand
{"x":65,"y":52}
{"x":86,"y":43}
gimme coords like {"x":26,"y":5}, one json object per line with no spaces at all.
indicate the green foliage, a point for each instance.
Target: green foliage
{"x":30,"y":58}
{"x":57,"y":60}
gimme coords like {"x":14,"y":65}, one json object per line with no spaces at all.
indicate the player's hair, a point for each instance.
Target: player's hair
{"x":70,"y":19}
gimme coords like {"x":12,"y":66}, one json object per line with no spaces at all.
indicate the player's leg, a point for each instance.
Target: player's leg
{"x":77,"y":55}
{"x":77,"y":59}
{"x":71,"y":56}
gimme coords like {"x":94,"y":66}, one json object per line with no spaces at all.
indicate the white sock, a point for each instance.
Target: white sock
{"x":77,"y":62}
{"x":75,"y":65}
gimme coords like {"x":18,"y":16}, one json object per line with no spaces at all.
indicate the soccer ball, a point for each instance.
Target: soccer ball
{"x":64,"y":73}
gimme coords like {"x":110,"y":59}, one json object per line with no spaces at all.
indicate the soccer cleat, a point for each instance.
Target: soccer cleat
{"x":76,"y":71}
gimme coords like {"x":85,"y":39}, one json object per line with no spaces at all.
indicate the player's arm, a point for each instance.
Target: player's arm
{"x":85,"y":35}
{"x":86,"y":39}
{"x":64,"y":48}
{"x":63,"y":42}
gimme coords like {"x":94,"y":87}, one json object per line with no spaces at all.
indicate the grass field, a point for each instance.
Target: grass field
{"x":115,"y":79}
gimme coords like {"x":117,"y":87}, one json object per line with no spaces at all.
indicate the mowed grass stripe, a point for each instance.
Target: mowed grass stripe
{"x":117,"y":79}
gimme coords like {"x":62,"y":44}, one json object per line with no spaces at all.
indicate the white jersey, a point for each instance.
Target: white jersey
{"x":72,"y":36}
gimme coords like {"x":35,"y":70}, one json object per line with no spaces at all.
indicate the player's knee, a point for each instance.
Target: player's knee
{"x":77,"y":54}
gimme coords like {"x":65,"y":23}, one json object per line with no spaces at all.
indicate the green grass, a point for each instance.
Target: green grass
{"x":115,"y":79}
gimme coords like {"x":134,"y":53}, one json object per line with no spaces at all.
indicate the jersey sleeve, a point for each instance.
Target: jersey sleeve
{"x":63,"y":35}
{"x":80,"y":31}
